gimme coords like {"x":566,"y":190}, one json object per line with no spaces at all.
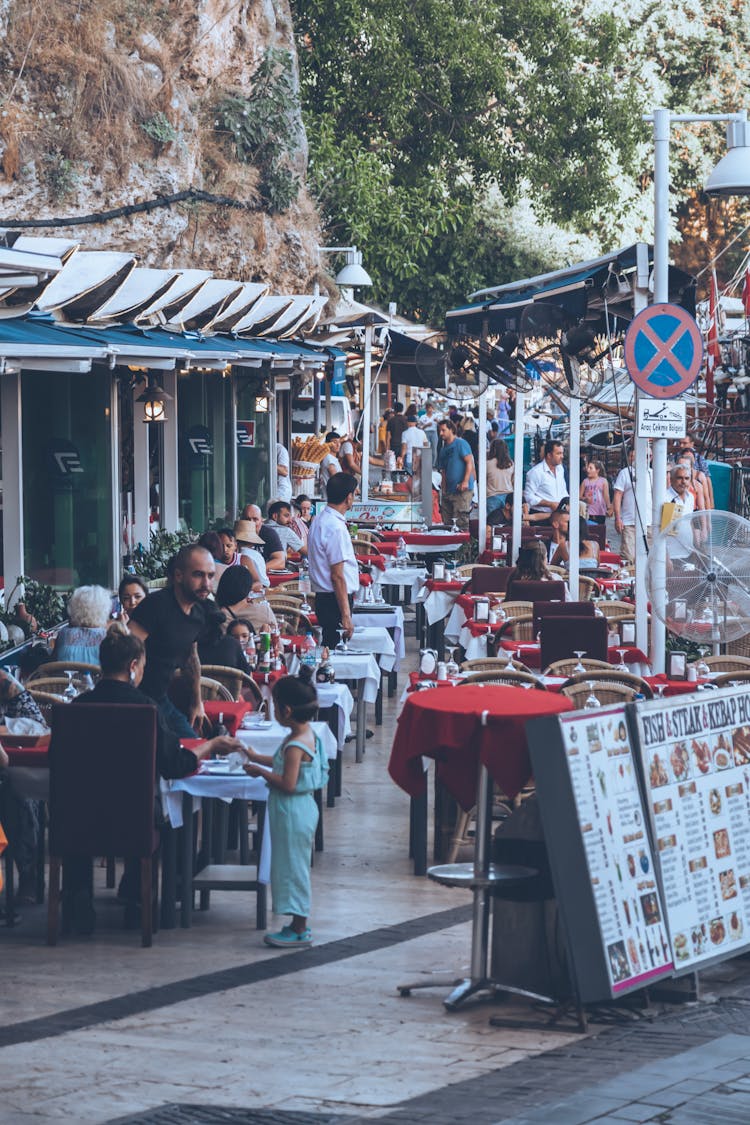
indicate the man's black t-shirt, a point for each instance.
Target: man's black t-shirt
{"x":395,"y":428}
{"x":171,"y":634}
{"x":271,"y":541}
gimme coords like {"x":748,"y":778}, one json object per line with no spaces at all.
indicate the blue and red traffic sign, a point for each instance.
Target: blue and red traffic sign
{"x":663,"y":350}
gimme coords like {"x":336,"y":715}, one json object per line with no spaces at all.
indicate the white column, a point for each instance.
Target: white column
{"x":141,"y":475}
{"x":366,"y":412}
{"x":574,"y":482}
{"x":169,"y":499}
{"x":12,"y":446}
{"x":519,"y":428}
{"x":661,"y":295}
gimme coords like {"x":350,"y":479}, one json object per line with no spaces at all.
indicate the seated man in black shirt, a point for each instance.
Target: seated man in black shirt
{"x":168,"y":623}
{"x":273,"y":548}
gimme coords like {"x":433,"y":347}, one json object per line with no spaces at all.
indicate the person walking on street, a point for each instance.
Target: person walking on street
{"x":623,"y":503}
{"x":456,"y":463}
{"x":334,"y":573}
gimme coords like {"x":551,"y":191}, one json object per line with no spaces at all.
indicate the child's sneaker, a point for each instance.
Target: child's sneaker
{"x":287,"y":938}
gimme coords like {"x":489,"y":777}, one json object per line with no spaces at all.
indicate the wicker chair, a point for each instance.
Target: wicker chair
{"x":364,"y":546}
{"x":284,"y":601}
{"x":516,"y":609}
{"x":55,"y":685}
{"x":509,"y":679}
{"x":286,"y":589}
{"x":740,"y":647}
{"x":612,"y":676}
{"x":588,"y":588}
{"x":560,"y":571}
{"x":291,"y":622}
{"x":729,"y":678}
{"x":465,"y":570}
{"x":518,"y":628}
{"x":212,"y":689}
{"x":567,"y":667}
{"x":45,"y":700}
{"x":59,"y":667}
{"x":728,"y":663}
{"x":492,"y":664}
{"x":605,"y":692}
{"x":615,"y":611}
{"x":370,"y":539}
{"x":235,"y":681}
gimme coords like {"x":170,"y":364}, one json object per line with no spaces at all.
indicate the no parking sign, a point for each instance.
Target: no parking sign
{"x":663,"y":350}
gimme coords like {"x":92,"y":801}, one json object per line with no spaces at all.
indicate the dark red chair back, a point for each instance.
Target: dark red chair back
{"x":102,"y":759}
{"x":490,"y":579}
{"x":562,"y":636}
{"x":561,"y":609}
{"x":520,"y":590}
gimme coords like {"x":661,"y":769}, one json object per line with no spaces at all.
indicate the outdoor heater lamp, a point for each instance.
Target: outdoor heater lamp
{"x":154,"y":398}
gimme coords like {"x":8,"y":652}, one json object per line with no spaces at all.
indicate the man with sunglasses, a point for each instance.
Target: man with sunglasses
{"x":687,"y":444}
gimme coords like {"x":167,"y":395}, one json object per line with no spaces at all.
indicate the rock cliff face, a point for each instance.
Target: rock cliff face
{"x":107,"y":103}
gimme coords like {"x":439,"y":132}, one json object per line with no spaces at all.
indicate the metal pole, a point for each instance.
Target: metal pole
{"x":661,"y":295}
{"x":482,"y":471}
{"x":519,"y":427}
{"x":643,"y":486}
{"x":366,"y":407}
{"x":574,"y":480}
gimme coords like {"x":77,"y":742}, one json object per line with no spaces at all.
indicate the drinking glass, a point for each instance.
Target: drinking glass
{"x":580,"y":653}
{"x":592,"y":703}
{"x":454,"y":526}
{"x":622,"y":666}
{"x":452,"y":667}
{"x":660,"y":689}
{"x":701,"y":667}
{"x":70,"y":692}
{"x":342,"y":646}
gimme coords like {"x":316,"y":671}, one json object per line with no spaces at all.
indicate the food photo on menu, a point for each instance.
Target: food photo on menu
{"x":696,"y":760}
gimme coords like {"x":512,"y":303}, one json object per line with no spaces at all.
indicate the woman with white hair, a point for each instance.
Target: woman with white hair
{"x":89,"y":609}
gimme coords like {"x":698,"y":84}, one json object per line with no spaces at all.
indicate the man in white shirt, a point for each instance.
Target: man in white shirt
{"x":334,"y":573}
{"x":330,"y":463}
{"x":280,"y":515}
{"x":681,"y":543}
{"x":545,"y":482}
{"x":413,"y":438}
{"x":283,"y":480}
{"x":626,"y":517}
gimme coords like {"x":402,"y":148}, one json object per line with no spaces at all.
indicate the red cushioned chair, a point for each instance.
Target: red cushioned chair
{"x":562,"y":637}
{"x":561,"y":609}
{"x":102,"y":761}
{"x":490,"y":579}
{"x":528,"y":591}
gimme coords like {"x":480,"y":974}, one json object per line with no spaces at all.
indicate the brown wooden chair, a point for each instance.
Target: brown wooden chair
{"x":728,"y":663}
{"x":612,"y":676}
{"x":54,"y":685}
{"x":364,"y":546}
{"x":45,"y":701}
{"x":740,"y":647}
{"x":588,"y":588}
{"x":510,"y":679}
{"x":292,"y":623}
{"x":237,"y":682}
{"x":520,"y":628}
{"x":727,"y":679}
{"x":516,"y":608}
{"x":59,"y":667}
{"x":567,"y":667}
{"x":606,"y":692}
{"x":284,"y":601}
{"x":213,"y":689}
{"x":616,"y":611}
{"x":493,"y":664}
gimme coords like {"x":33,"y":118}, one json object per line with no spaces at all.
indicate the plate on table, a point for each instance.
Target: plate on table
{"x":264,"y":724}
{"x":351,"y":652}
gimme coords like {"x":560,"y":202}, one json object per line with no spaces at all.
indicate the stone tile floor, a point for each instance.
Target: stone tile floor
{"x":210,"y":1025}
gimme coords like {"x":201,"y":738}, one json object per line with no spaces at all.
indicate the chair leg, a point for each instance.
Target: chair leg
{"x":463,"y":819}
{"x":53,"y":900}
{"x":147,"y":892}
{"x":110,"y":872}
{"x":260,"y":907}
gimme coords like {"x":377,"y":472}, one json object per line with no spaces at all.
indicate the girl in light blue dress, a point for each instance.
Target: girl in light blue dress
{"x":299,"y":767}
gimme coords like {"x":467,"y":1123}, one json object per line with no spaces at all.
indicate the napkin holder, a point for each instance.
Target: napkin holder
{"x":482,"y":611}
{"x":438,"y":570}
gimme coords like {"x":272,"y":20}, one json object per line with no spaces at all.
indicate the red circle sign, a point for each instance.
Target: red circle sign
{"x":663,"y":350}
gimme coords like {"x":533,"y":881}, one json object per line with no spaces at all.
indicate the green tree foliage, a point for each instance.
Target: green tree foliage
{"x":414,"y":112}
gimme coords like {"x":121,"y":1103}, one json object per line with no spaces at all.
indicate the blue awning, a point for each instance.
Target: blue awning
{"x":591,"y":291}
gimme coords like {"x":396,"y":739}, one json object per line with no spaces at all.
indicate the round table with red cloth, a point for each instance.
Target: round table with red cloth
{"x":447,"y":726}
{"x":427,"y":538}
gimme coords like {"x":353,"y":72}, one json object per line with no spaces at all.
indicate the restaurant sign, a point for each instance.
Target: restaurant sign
{"x":391,"y":512}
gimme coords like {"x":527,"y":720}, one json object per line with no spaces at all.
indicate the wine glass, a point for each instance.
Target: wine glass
{"x":71,"y":691}
{"x":701,"y":667}
{"x":660,"y":689}
{"x":622,"y":666}
{"x":592,"y":703}
{"x":509,"y":665}
{"x":580,"y":653}
{"x":378,"y":590}
{"x":452,"y":667}
{"x":454,"y":526}
{"x":342,"y":646}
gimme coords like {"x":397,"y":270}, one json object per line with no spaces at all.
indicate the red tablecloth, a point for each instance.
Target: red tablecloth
{"x":372,"y":560}
{"x":437,"y":586}
{"x":530,"y":654}
{"x":269,"y":677}
{"x":488,"y":557}
{"x":388,"y":548}
{"x":279,"y":577}
{"x":427,"y":538}
{"x":447,"y":726}
{"x":674,"y":687}
{"x":610,"y":557}
{"x":27,"y":755}
{"x":231,"y":711}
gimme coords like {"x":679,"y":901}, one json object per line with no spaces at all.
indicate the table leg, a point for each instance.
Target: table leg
{"x":168,"y":877}
{"x":318,"y":795}
{"x":379,"y":703}
{"x":418,"y":833}
{"x":361,"y":724}
{"x":186,"y":904}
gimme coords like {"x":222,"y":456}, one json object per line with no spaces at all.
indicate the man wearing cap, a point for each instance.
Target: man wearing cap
{"x":330,"y":463}
{"x":334,"y":573}
{"x":273,"y":551}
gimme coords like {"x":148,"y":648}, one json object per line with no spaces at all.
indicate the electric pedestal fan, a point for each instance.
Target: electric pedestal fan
{"x":699,"y":577}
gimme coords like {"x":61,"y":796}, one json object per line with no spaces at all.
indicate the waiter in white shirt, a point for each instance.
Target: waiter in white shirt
{"x":545,"y":482}
{"x":334,"y":573}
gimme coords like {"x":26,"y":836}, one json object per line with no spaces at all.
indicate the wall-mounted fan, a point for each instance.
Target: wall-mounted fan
{"x":699,"y":577}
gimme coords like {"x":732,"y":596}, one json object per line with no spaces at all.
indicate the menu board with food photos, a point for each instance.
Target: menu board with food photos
{"x":696,"y":761}
{"x":599,"y":851}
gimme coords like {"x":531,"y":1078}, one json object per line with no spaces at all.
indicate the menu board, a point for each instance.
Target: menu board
{"x":696,"y":763}
{"x":617,"y":847}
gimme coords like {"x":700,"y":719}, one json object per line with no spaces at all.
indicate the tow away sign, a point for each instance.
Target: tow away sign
{"x":662,"y":418}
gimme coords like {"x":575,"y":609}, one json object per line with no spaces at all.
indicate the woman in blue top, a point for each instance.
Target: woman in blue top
{"x":299,"y":767}
{"x":89,"y":609}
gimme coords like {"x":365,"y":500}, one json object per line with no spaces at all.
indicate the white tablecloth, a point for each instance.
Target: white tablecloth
{"x":455,"y":623}
{"x":338,"y":696}
{"x":266,"y":740}
{"x":436,"y":548}
{"x":377,"y":640}
{"x":437,"y":603}
{"x":412,"y":576}
{"x":350,"y":666}
{"x":393,"y":619}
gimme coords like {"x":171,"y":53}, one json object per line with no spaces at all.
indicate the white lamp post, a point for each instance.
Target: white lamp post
{"x":352,"y":276}
{"x":731,"y":176}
